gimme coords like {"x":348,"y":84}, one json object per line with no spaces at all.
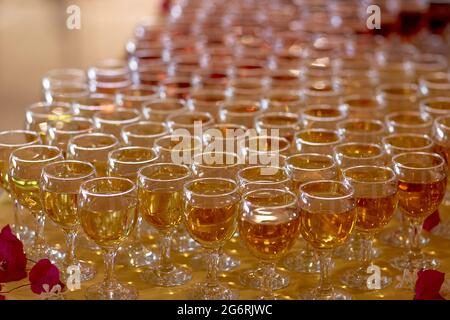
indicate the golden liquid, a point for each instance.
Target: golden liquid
{"x":62,"y":208}
{"x":408,"y":142}
{"x":375,"y":213}
{"x":257,"y":175}
{"x":362,"y":126}
{"x":324,"y":113}
{"x":404,"y":92}
{"x":438,"y":105}
{"x":243,"y":108}
{"x":26,"y":192}
{"x":278,"y":120}
{"x":408,"y":119}
{"x":362,"y":103}
{"x":100,"y":167}
{"x":326,"y":230}
{"x":319,"y":136}
{"x":162,"y":209}
{"x":108,"y":228}
{"x":211,"y":227}
{"x":419,"y":200}
{"x":359,"y":151}
{"x":443,"y":151}
{"x":267,"y":239}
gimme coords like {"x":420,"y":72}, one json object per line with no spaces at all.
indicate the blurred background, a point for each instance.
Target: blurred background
{"x":34,"y":39}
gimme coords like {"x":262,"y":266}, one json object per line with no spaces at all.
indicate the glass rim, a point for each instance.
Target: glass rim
{"x":313,"y":143}
{"x":268,"y":137}
{"x":342,"y":126}
{"x":83,"y":189}
{"x":44,"y":104}
{"x":122,"y":92}
{"x":137,"y":116}
{"x":87,"y":120}
{"x":424,"y":106}
{"x":235,"y":189}
{"x":171,"y":123}
{"x":225,"y":107}
{"x":428,"y":121}
{"x":409,"y":85}
{"x":271,"y":191}
{"x":349,"y":195}
{"x":72,"y":141}
{"x":429,"y":154}
{"x":318,"y":155}
{"x":36,"y":146}
{"x":342,"y":113}
{"x":88,"y":164}
{"x":436,"y":75}
{"x":180,"y":136}
{"x":260,"y":123}
{"x":146,"y":106}
{"x":392,"y":178}
{"x":438,"y":121}
{"x":164,"y":165}
{"x":385,"y":139}
{"x":375,"y":145}
{"x":278,"y":168}
{"x":82,"y":105}
{"x":125,"y":129}
{"x":346,"y":101}
{"x":26,"y":132}
{"x":110,"y":155}
{"x":237,"y":163}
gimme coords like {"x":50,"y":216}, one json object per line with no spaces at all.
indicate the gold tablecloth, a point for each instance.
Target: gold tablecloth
{"x":437,"y":246}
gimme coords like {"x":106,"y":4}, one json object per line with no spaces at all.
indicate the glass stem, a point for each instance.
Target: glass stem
{"x":213,"y":264}
{"x":268,"y":271}
{"x":39,"y":238}
{"x":18,"y":228}
{"x":109,"y":256}
{"x":166,"y":242}
{"x":325,"y":285}
{"x":71,"y":258}
{"x":367,"y":248}
{"x":415,"y":229}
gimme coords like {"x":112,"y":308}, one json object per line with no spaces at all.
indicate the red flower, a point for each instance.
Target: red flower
{"x":12,"y":258}
{"x":429,"y":284}
{"x":44,"y":272}
{"x":432,"y":221}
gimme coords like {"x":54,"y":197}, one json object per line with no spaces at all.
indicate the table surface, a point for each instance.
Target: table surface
{"x":437,"y":246}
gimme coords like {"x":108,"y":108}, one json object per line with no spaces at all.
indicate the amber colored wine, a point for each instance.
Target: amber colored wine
{"x":211,"y":227}
{"x":444,"y":151}
{"x":61,"y":208}
{"x":375,"y":213}
{"x":108,"y":228}
{"x":26,"y":192}
{"x":419,"y":200}
{"x":324,"y":230}
{"x":100,"y":167}
{"x":267,"y":238}
{"x":162,"y":209}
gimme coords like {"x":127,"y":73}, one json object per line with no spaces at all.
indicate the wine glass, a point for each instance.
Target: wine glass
{"x":360,"y":130}
{"x":208,"y":100}
{"x":435,"y":106}
{"x":435,"y":85}
{"x":25,"y":168}
{"x":161,"y":205}
{"x":178,"y":149}
{"x":211,"y":211}
{"x":353,"y":154}
{"x":395,"y":97}
{"x":240,"y":112}
{"x":189,"y":123}
{"x":11,"y":140}
{"x":60,"y":132}
{"x":284,"y":100}
{"x":282,"y":124}
{"x":422,"y":182}
{"x":143,"y":133}
{"x":112,"y":121}
{"x":60,"y":183}
{"x":159,"y":109}
{"x":363,"y":107}
{"x":409,"y":122}
{"x":58,"y":76}
{"x":39,"y":115}
{"x":322,"y":116}
{"x":125,"y":162}
{"x":93,"y":148}
{"x":327,"y":218}
{"x":269,"y":226}
{"x":135,"y":96}
{"x":267,"y":150}
{"x":376,"y":200}
{"x":322,"y":91}
{"x":317,"y":141}
{"x":96,"y":102}
{"x":107,"y":208}
{"x":68,"y":92}
{"x":303,"y":168}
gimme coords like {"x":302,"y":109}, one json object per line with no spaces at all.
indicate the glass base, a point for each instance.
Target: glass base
{"x":182,"y":242}
{"x":203,"y":291}
{"x":354,"y":253}
{"x":424,"y":261}
{"x":253,"y":278}
{"x":303,"y":261}
{"x":442,"y":230}
{"x":226,"y":263}
{"x":175,"y":276}
{"x":332,"y":294}
{"x":396,"y":238}
{"x":114,"y":291}
{"x":357,"y":279}
{"x":45,"y":252}
{"x":136,"y":255}
{"x":87,"y":272}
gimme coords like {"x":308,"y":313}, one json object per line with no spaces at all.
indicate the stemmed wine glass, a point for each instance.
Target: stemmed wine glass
{"x":161,"y":204}
{"x":60,"y":184}
{"x":25,"y":168}
{"x":107,"y":208}
{"x":211,"y":211}
{"x":422,"y":182}
{"x":327,"y":218}
{"x":269,"y":226}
